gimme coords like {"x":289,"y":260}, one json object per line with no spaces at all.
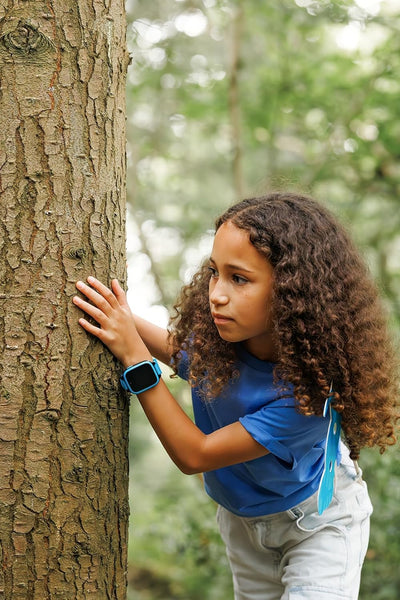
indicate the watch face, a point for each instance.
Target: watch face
{"x":141,"y":377}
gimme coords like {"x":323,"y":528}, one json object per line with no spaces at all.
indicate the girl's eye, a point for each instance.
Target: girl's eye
{"x":239,"y":280}
{"x":213,"y":272}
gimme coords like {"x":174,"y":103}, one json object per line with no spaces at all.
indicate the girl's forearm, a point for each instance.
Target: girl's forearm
{"x":190,"y":449}
{"x":178,"y":434}
{"x":155,"y":338}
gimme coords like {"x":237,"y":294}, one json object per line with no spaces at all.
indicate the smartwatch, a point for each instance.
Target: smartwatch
{"x":141,"y":377}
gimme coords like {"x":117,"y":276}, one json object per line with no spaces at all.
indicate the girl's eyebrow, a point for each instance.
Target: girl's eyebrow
{"x":232,"y":267}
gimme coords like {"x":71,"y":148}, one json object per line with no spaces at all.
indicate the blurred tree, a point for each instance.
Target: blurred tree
{"x":63,"y":425}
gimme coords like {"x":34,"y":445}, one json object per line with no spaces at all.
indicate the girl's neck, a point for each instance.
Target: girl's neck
{"x":266,"y":351}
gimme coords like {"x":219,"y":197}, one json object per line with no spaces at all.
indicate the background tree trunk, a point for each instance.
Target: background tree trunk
{"x":237,"y":27}
{"x":63,"y":425}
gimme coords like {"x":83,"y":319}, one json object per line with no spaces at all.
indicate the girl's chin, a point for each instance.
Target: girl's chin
{"x":224,"y":335}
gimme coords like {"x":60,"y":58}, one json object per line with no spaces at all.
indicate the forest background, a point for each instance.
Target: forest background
{"x":227,"y":99}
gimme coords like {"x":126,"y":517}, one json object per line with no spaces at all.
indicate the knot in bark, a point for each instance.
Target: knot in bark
{"x":26,"y":41}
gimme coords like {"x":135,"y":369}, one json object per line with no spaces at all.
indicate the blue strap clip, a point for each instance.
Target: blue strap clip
{"x":326,"y":485}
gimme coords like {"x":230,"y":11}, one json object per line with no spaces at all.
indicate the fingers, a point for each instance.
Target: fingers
{"x":98,"y":293}
{"x":101,"y":302}
{"x":119,"y":292}
{"x":96,"y":331}
{"x":116,"y":326}
{"x":103,"y":305}
{"x":97,"y":314}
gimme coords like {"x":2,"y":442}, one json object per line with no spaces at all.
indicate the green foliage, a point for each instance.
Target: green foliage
{"x":317,"y":86}
{"x":381,"y":580}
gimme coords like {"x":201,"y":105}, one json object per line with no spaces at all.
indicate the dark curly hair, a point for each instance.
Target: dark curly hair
{"x":327,"y":319}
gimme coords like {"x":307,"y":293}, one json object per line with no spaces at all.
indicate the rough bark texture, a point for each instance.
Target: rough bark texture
{"x":63,"y":424}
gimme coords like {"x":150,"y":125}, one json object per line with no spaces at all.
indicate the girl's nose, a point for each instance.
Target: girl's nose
{"x":217,"y":294}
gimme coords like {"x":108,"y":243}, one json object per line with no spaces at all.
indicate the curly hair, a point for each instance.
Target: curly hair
{"x":326,"y":313}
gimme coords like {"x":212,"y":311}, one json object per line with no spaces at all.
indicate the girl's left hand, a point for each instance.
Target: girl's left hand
{"x":117,"y":329}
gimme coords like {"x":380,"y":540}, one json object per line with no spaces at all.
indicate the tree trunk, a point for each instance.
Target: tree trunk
{"x":234,"y":99}
{"x":63,"y":423}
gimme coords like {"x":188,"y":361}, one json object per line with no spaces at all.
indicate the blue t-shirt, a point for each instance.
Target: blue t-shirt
{"x":291,"y":471}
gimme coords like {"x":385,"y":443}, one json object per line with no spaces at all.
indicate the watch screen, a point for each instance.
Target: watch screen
{"x":142,"y":377}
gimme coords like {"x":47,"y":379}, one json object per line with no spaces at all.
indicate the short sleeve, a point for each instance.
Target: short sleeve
{"x":285,"y":432}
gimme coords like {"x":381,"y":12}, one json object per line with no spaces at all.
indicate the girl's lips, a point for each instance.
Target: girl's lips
{"x":221,"y":319}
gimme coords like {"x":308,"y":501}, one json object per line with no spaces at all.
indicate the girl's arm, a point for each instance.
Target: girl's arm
{"x":190,"y":449}
{"x":155,"y":338}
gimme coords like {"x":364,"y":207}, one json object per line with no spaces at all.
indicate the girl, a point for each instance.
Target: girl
{"x":281,"y":317}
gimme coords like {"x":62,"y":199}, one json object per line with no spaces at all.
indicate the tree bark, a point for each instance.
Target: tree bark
{"x":63,"y":423}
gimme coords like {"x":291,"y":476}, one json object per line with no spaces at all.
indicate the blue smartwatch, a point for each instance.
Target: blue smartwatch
{"x":141,"y":377}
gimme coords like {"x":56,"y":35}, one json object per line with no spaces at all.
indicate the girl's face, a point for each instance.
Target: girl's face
{"x":240,"y":292}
